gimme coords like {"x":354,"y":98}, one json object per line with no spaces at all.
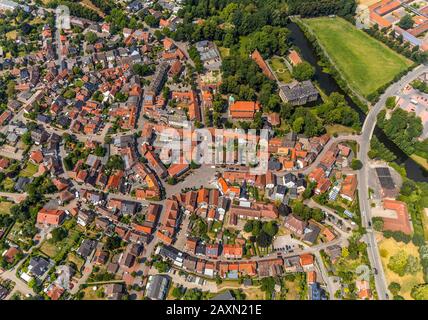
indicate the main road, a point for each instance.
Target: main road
{"x":363,"y":189}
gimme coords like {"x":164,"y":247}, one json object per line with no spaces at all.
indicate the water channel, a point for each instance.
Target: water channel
{"x":329,"y":85}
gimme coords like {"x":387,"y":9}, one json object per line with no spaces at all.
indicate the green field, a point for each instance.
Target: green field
{"x":5,"y":207}
{"x":278,"y":66}
{"x":29,"y":170}
{"x":365,"y":63}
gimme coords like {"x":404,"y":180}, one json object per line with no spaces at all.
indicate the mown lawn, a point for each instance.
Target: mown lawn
{"x":58,"y":250}
{"x":29,"y":170}
{"x":364,"y":62}
{"x":280,"y":69}
{"x":224,"y":52}
{"x":5,"y":207}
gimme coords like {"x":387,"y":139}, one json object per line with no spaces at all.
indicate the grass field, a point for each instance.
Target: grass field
{"x":55,"y":250}
{"x":254,"y":294}
{"x":29,"y":170}
{"x":224,"y":52}
{"x":12,"y":35}
{"x":409,"y":280}
{"x":91,"y":294}
{"x":78,"y":261}
{"x":5,"y":207}
{"x":8,"y":184}
{"x":338,"y":129}
{"x":293,"y":291}
{"x":280,"y":69}
{"x":364,"y":62}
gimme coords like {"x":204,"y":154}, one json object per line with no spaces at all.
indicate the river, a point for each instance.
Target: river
{"x":329,"y":85}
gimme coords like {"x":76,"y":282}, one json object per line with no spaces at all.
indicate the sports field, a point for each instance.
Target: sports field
{"x":364,"y":62}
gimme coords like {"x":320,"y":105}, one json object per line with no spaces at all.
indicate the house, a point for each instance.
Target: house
{"x":363,"y":289}
{"x":244,"y":110}
{"x":295,"y":225}
{"x":102,"y":223}
{"x":212,"y":251}
{"x":38,"y":266}
{"x":114,"y":291}
{"x":10,"y":254}
{"x":227,"y":296}
{"x":84,"y":218}
{"x":52,"y":217}
{"x":3,"y":293}
{"x":101,"y":257}
{"x":349,"y":186}
{"x":307,"y":261}
{"x":299,"y":93}
{"x":232,"y":251}
{"x":256,"y":56}
{"x":290,"y":180}
{"x":270,"y":267}
{"x":127,"y":260}
{"x":316,"y":292}
{"x":311,"y":233}
{"x":294,"y":58}
{"x":159,"y":78}
{"x":54,"y":291}
{"x":396,"y":216}
{"x":190,"y":245}
{"x":177,"y":169}
{"x":157,"y":287}
{"x":86,"y":248}
{"x":39,"y":136}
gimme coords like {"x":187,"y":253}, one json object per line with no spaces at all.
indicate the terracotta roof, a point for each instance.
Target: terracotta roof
{"x":244,"y":109}
{"x":36,"y":156}
{"x":306,"y":260}
{"x":294,"y":57}
{"x":232,"y":250}
{"x":401,"y":223}
{"x":52,"y":217}
{"x":349,"y":186}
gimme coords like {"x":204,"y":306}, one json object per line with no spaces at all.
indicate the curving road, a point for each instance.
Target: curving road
{"x":363,"y":189}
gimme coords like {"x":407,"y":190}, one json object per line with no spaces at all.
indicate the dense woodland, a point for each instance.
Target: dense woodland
{"x":313,"y":8}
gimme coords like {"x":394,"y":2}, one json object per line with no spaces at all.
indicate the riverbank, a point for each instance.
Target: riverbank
{"x":421,"y":161}
{"x":326,"y":62}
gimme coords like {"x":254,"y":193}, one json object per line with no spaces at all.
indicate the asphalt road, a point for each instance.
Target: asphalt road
{"x":363,"y":191}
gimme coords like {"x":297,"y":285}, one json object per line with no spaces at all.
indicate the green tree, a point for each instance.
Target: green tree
{"x":263,"y":239}
{"x":26,"y":138}
{"x":420,"y":292}
{"x":177,"y":292}
{"x":378,"y":224}
{"x":303,"y":71}
{"x":394,"y":287}
{"x":391,"y":102}
{"x":91,"y":37}
{"x":248,"y":227}
{"x":270,"y":228}
{"x":406,"y":22}
{"x":356,"y":164}
{"x":59,"y":234}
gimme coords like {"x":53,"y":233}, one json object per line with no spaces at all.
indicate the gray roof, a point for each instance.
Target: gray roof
{"x":299,"y":90}
{"x":224,"y":296}
{"x":157,"y":287}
